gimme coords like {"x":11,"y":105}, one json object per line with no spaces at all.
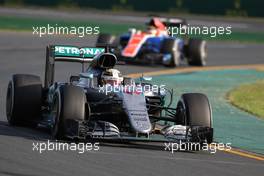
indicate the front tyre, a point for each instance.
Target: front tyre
{"x":171,"y":47}
{"x":194,"y":110}
{"x":197,"y":52}
{"x":68,"y":105}
{"x":106,"y":39}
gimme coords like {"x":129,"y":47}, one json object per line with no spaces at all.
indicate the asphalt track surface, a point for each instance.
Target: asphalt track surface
{"x":24,"y":53}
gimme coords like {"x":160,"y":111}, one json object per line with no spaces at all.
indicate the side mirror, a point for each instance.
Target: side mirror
{"x":86,"y":75}
{"x":74,"y":78}
{"x":88,"y":79}
{"x":145,"y":78}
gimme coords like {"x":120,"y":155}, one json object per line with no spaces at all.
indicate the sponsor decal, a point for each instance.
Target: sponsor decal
{"x":77,"y":52}
{"x":139,"y":116}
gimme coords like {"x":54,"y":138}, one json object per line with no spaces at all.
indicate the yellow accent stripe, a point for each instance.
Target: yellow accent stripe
{"x":192,"y":69}
{"x":245,"y":154}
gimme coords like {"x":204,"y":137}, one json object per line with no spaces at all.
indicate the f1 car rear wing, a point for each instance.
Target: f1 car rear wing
{"x":174,"y":22}
{"x":74,"y":54}
{"x":171,"y":22}
{"x":66,"y":53}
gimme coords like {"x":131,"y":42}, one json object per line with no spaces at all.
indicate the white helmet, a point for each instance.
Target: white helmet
{"x":112,"y":77}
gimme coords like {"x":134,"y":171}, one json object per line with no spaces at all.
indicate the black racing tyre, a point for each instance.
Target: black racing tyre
{"x":106,"y":39}
{"x":24,"y":100}
{"x":197,"y":109}
{"x":68,"y":104}
{"x":170,"y":46}
{"x":197,"y":52}
{"x":194,"y":110}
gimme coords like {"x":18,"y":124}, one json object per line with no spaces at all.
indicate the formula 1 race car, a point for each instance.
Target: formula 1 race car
{"x":100,"y":103}
{"x":156,"y":45}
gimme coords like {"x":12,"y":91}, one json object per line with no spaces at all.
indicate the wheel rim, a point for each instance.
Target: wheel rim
{"x":9,"y":101}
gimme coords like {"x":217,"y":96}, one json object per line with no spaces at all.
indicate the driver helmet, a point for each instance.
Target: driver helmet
{"x":112,"y":77}
{"x":156,"y":23}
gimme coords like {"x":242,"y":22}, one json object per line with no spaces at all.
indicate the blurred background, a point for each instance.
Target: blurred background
{"x":248,"y":8}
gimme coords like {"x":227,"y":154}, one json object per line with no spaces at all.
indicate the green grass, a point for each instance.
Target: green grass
{"x":26,"y":24}
{"x":249,"y":98}
{"x":252,"y":37}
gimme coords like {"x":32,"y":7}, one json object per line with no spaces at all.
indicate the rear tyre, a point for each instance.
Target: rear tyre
{"x":106,"y":39}
{"x":170,"y":46}
{"x":68,"y":104}
{"x":23,"y":100}
{"x":194,"y":110}
{"x":197,"y":52}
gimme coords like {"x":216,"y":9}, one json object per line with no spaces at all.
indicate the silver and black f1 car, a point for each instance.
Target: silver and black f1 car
{"x":100,"y":103}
